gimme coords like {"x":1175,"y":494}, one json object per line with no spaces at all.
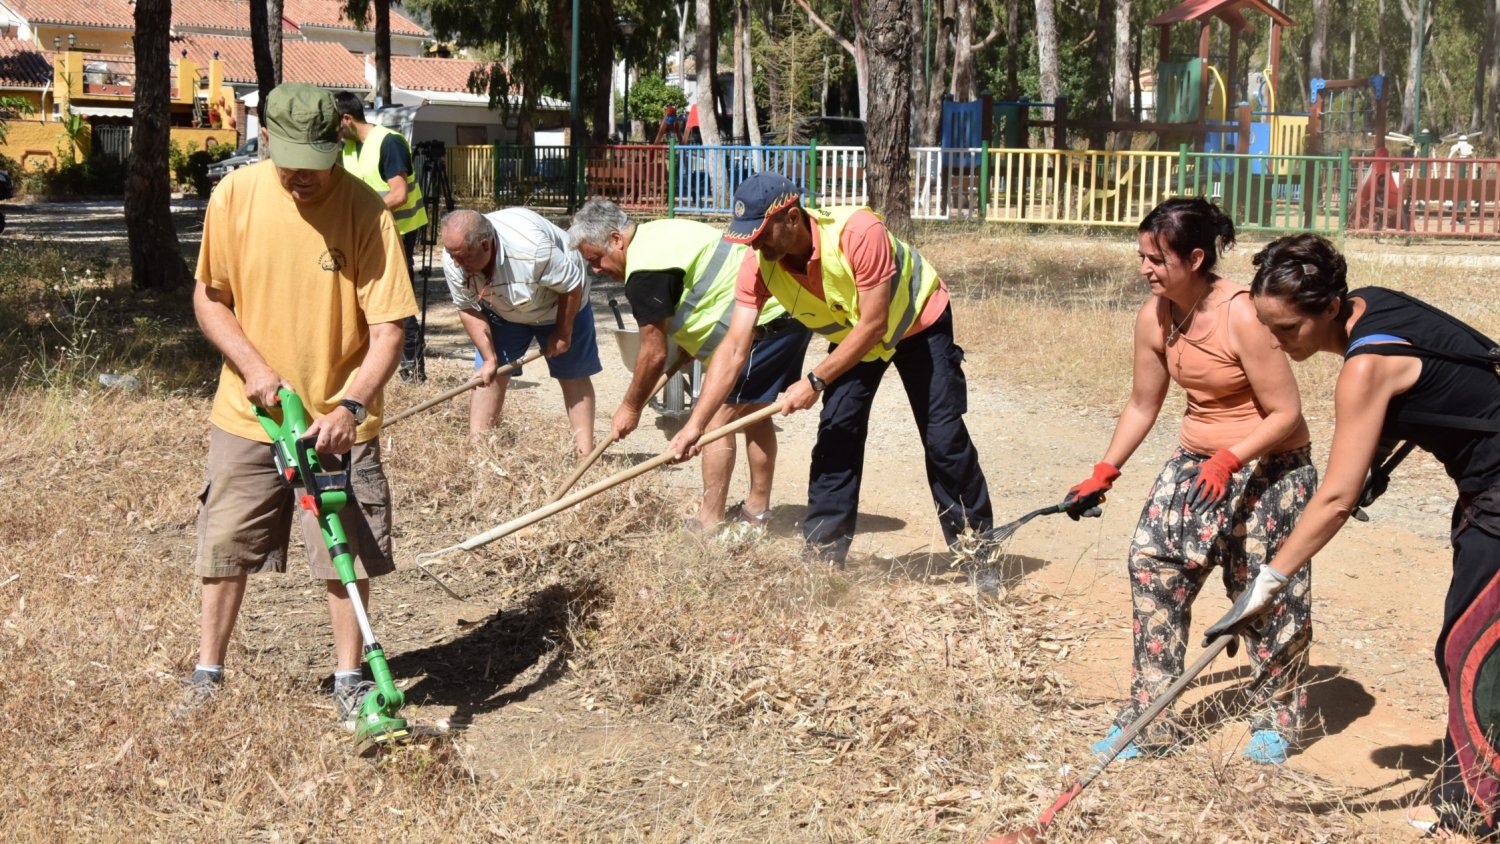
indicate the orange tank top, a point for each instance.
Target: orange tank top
{"x":1221,"y":405}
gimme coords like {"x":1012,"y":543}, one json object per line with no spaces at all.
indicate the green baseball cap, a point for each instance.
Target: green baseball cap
{"x":303,"y":122}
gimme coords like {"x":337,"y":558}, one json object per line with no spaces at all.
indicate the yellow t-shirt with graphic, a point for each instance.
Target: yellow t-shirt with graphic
{"x":308,"y":280}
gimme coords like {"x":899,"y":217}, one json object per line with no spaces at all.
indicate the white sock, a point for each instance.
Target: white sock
{"x":209,"y":669}
{"x":347,"y":678}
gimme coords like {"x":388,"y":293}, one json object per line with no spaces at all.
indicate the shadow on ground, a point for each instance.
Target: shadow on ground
{"x":504,"y":659}
{"x":1334,"y":701}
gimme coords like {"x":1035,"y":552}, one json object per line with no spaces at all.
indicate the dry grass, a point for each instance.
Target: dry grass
{"x":615,"y":680}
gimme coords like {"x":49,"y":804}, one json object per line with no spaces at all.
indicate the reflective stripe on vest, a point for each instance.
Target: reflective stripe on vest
{"x":837,"y":312}
{"x":709,"y":265}
{"x":363,"y":160}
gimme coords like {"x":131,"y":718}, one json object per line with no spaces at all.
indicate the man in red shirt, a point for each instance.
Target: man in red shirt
{"x":838,"y":271}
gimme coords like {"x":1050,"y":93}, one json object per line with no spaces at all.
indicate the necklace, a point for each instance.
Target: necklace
{"x":1177,"y":329}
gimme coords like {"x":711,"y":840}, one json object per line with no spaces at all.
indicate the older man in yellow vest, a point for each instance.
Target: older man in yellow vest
{"x":839,"y":272}
{"x":679,"y":279}
{"x":382,"y":159}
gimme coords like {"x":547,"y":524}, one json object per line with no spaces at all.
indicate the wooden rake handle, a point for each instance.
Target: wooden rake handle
{"x":457,"y":391}
{"x":583,"y":466}
{"x":608,"y":483}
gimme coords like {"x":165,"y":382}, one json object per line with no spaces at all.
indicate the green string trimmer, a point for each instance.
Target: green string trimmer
{"x":326,"y":492}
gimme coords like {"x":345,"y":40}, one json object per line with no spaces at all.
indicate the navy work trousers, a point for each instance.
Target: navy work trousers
{"x":930,"y":365}
{"x":414,"y":345}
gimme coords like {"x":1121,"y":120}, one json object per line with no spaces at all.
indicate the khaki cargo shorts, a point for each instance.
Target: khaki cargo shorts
{"x":245,"y":519}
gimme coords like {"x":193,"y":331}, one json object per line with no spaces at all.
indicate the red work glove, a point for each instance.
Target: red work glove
{"x":1210,"y":480}
{"x":1090,"y":494}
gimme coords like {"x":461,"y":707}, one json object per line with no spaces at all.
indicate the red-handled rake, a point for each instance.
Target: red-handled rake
{"x":1034,"y":832}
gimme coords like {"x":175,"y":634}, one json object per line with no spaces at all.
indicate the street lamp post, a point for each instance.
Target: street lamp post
{"x":627,"y":25}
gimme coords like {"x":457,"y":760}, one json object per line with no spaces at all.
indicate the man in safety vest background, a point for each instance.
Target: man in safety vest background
{"x":839,"y":272}
{"x":679,"y":279}
{"x":381,"y":159}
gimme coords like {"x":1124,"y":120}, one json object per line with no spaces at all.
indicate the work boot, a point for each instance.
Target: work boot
{"x":1101,"y":747}
{"x":197,"y":690}
{"x":1267,"y":747}
{"x":742,"y":526}
{"x":347,"y":698}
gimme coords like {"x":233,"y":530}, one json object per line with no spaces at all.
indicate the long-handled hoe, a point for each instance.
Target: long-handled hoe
{"x":986,"y":574}
{"x":1032,"y":833}
{"x":326,"y":492}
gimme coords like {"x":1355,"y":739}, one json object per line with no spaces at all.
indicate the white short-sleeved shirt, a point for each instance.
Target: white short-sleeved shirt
{"x":533,"y":266}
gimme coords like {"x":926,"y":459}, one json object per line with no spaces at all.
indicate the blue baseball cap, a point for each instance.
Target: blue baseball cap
{"x":757,"y":198}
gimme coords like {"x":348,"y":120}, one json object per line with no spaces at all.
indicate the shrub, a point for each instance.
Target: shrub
{"x":191,"y":168}
{"x":650,"y":96}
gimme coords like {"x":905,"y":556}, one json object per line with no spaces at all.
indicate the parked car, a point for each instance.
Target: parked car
{"x":248,"y":153}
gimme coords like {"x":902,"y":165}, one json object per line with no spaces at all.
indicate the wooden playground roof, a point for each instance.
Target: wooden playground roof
{"x":1229,"y":11}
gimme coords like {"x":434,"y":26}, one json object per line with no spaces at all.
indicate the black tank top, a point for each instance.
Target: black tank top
{"x":1458,"y":381}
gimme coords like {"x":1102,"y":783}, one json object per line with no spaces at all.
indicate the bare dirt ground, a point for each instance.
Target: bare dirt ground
{"x":495,"y":670}
{"x":1378,"y":588}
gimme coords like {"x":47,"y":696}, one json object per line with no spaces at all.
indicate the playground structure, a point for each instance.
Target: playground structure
{"x":1218,"y":132}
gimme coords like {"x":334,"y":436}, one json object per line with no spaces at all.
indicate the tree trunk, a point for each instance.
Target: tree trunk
{"x":1491,"y":70}
{"x":964,"y":89}
{"x":1353,"y":37}
{"x":1414,"y":43}
{"x":383,"y":52}
{"x":265,"y":45}
{"x":752,"y":112}
{"x":921,"y":71}
{"x":1046,"y":56}
{"x":741,"y":78}
{"x":1012,"y":49}
{"x":854,"y":47}
{"x":1317,"y":59}
{"x":703,"y":40}
{"x":1380,"y":37}
{"x":889,"y":151}
{"x":1487,"y":73}
{"x":932,"y":100}
{"x":1119,"y":79}
{"x":155,"y":255}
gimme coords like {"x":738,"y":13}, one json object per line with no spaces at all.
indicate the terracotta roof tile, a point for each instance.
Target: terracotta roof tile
{"x":106,"y":14}
{"x":322,"y":63}
{"x":433,"y":74}
{"x":231,"y":16}
{"x":22,"y":65}
{"x":330,"y":14}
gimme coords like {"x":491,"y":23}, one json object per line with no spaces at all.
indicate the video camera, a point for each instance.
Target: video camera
{"x":433,"y":149}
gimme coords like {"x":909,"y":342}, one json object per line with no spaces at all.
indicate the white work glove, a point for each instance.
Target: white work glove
{"x":1255,"y":600}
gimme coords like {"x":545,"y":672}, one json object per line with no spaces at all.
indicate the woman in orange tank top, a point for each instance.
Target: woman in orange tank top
{"x":1231,"y":490}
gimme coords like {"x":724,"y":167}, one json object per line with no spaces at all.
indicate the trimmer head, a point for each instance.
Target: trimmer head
{"x":376,"y":731}
{"x":378,"y":724}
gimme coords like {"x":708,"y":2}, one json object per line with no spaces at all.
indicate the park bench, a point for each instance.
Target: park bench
{"x":1448,"y":198}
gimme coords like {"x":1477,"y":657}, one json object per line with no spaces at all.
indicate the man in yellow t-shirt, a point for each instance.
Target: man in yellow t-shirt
{"x":301,"y":284}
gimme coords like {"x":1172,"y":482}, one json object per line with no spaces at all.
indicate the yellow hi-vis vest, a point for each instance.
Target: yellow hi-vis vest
{"x":363,"y":160}
{"x":838,"y":311}
{"x":709,"y":264}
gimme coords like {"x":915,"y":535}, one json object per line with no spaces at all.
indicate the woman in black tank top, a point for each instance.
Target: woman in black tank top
{"x":1413,"y":373}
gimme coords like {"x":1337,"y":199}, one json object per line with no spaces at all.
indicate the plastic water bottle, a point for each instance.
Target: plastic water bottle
{"x":122,"y":382}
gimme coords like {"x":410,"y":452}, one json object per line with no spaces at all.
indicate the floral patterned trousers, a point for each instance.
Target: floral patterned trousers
{"x":1171,"y":555}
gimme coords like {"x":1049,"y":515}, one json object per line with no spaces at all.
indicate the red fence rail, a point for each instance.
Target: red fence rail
{"x":634,"y":177}
{"x":1425,"y":197}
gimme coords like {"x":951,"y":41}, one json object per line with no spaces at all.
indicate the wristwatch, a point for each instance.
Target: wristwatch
{"x":818,"y":384}
{"x":354,"y":407}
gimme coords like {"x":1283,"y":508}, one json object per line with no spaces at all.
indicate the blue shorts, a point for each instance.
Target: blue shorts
{"x":512,"y":339}
{"x":775,"y":363}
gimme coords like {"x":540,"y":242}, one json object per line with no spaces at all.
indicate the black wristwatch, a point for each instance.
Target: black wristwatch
{"x":354,"y":407}
{"x":818,"y":384}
